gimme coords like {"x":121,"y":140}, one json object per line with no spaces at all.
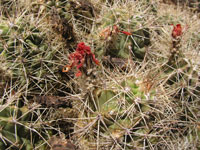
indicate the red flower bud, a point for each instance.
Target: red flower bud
{"x":116,"y":29}
{"x":177,"y":31}
{"x":125,"y":32}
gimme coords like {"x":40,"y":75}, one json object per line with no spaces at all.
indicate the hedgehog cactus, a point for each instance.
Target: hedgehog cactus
{"x":81,"y":11}
{"x":108,"y":113}
{"x":27,"y":54}
{"x":16,"y":130}
{"x":127,"y":40}
{"x":180,"y":71}
{"x":109,"y":116}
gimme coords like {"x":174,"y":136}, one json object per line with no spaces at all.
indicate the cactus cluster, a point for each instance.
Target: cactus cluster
{"x":32,"y":57}
{"x":108,"y":74}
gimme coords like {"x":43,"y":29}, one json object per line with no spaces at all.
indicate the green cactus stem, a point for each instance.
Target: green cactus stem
{"x":15,"y":129}
{"x":125,"y":42}
{"x":108,"y":115}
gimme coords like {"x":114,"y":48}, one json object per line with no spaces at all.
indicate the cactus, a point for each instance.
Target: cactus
{"x":180,"y":71}
{"x":29,"y":57}
{"x":153,"y":104}
{"x":82,"y":12}
{"x":180,"y":81}
{"x":16,"y":131}
{"x":120,"y":43}
{"x":109,"y":116}
{"x":7,"y":7}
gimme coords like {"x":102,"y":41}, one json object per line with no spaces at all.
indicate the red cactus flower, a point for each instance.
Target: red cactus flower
{"x":78,"y":57}
{"x":177,"y":31}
